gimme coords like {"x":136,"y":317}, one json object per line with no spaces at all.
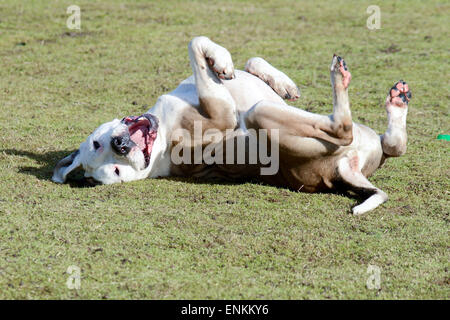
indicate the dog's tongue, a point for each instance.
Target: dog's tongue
{"x":139,"y":136}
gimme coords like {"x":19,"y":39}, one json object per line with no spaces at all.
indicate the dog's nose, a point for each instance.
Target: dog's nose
{"x":121,"y":145}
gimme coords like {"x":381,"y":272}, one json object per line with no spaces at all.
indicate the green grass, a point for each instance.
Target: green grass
{"x":175,"y":238}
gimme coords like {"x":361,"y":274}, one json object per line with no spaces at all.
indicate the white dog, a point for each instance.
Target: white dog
{"x":312,"y":152}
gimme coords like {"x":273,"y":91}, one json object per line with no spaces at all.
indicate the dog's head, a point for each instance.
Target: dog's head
{"x":117,"y":151}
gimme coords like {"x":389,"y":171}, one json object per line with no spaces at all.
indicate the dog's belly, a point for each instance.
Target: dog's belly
{"x":298,"y":175}
{"x":305,"y":175}
{"x":233,"y":165}
{"x":302,"y":174}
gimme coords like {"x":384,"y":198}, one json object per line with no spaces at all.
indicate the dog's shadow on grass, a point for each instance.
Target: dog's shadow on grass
{"x":47,"y":162}
{"x":76,"y":179}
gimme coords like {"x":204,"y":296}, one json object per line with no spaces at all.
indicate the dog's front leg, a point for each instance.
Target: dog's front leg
{"x":212,"y":64}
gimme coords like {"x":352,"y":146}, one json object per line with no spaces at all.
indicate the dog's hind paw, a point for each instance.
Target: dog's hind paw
{"x":400,"y":95}
{"x":339,"y":67}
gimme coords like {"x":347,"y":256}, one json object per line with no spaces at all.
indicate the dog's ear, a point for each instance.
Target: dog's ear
{"x":65,"y":166}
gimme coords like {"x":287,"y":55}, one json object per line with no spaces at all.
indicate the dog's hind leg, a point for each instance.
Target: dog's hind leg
{"x":277,"y":80}
{"x":296,"y":127}
{"x":212,"y":64}
{"x":395,"y":138}
{"x":353,"y":179}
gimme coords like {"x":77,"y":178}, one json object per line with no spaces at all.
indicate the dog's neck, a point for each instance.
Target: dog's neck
{"x":160,"y":158}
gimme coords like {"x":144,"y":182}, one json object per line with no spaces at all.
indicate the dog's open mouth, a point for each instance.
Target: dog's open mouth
{"x":142,"y":130}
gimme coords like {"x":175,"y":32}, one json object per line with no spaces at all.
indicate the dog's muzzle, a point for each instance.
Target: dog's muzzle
{"x":140,"y":134}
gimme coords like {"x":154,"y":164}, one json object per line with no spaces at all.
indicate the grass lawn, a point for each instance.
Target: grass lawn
{"x":187,"y":239}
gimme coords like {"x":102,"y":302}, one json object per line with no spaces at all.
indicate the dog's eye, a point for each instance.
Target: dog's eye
{"x":96,"y":145}
{"x":117,"y":171}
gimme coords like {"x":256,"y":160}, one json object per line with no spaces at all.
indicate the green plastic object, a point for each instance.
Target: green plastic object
{"x":444,"y":137}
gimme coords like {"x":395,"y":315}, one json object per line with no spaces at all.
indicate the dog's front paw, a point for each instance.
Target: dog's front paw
{"x":284,"y":86}
{"x":277,"y":80}
{"x":219,"y":60}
